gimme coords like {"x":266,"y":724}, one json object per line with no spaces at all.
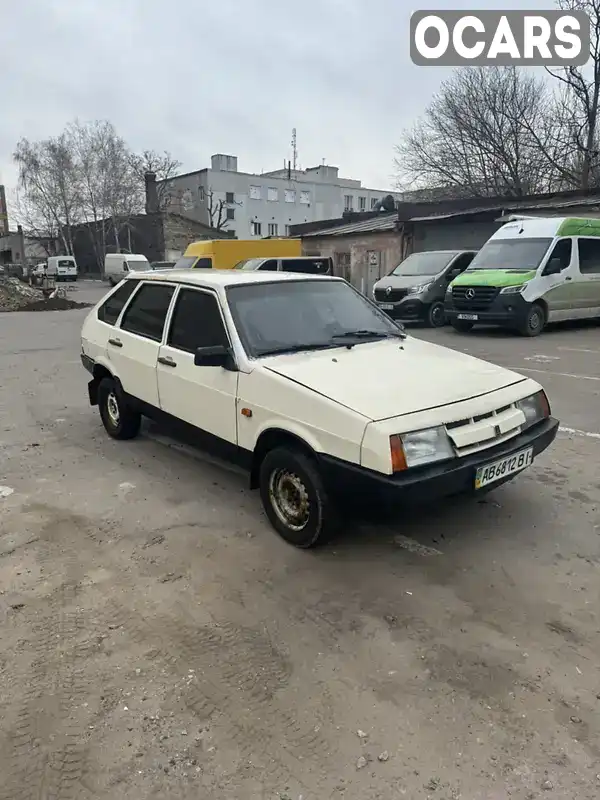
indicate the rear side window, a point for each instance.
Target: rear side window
{"x":589,"y":256}
{"x":109,"y":310}
{"x":197,"y":322}
{"x":148,"y":310}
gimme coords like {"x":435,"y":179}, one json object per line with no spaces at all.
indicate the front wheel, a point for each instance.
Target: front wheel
{"x":534,"y":322}
{"x":294,"y":498}
{"x":462,"y":325}
{"x":436,"y":317}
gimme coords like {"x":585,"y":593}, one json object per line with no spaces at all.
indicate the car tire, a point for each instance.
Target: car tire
{"x":119,"y":420}
{"x":436,"y":318}
{"x":462,"y":325}
{"x":283,"y":468}
{"x":534,"y":322}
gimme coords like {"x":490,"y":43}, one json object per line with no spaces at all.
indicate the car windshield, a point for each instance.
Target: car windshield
{"x":249,"y":263}
{"x":185,"y":262}
{"x":520,"y":255}
{"x":138,"y":266}
{"x":424,"y":264}
{"x":286,"y":316}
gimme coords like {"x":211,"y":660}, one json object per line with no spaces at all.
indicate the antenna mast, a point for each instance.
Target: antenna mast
{"x":294,"y":149}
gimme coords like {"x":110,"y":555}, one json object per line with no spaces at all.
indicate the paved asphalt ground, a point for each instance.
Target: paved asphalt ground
{"x":159,"y":641}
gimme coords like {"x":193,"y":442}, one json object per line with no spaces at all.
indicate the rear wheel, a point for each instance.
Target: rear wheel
{"x":462,"y":325}
{"x":119,"y":420}
{"x":436,"y":318}
{"x":534,"y":321}
{"x":294,"y":498}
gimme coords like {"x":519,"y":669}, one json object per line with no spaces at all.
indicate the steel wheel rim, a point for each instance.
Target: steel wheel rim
{"x":289,"y":499}
{"x":437,"y":315}
{"x":112,"y":408}
{"x":535,"y":321}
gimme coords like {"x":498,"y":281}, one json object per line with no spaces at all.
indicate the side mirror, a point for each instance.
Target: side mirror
{"x":553,"y":267}
{"x":215,"y":356}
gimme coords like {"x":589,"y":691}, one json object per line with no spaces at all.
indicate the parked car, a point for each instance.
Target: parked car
{"x":530,"y":272}
{"x":305,"y":382}
{"x":414,"y":291}
{"x":162,"y":264}
{"x":226,"y":253}
{"x":119,"y":265}
{"x":313,"y":265}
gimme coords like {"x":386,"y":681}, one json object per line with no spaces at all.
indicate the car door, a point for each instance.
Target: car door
{"x":203,"y":396}
{"x":587,"y":282}
{"x":133,"y":348}
{"x":556,"y":282}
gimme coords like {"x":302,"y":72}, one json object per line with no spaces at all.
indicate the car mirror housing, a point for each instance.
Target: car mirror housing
{"x":215,"y":356}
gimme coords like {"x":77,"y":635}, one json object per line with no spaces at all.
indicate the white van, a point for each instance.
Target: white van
{"x":532,"y":271}
{"x":118,"y":266}
{"x":62,"y":268}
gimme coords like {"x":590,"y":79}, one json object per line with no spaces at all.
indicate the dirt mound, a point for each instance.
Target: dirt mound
{"x":18,"y":296}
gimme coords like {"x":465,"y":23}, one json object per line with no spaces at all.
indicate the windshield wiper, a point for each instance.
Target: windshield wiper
{"x":295,"y":348}
{"x":366,"y":334}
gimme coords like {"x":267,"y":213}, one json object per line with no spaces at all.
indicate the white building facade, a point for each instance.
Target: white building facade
{"x":254,"y":206}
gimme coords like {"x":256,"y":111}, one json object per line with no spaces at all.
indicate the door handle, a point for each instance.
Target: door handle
{"x":115,"y":342}
{"x":167,"y":361}
{"x":568,"y":279}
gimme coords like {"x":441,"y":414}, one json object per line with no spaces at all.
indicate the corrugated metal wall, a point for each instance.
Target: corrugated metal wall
{"x":452,"y":236}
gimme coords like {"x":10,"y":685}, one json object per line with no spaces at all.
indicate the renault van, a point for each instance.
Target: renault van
{"x":532,"y":271}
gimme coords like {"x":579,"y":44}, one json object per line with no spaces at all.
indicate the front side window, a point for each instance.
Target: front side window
{"x":312,"y":266}
{"x":589,"y":256}
{"x":521,"y":255}
{"x":197,"y":322}
{"x":147,"y":312}
{"x":111,"y":308}
{"x":282,"y":316}
{"x":203,"y":263}
{"x":269,"y":266}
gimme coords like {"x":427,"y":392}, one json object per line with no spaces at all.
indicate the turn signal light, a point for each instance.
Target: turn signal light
{"x":397,"y":453}
{"x":544,"y":404}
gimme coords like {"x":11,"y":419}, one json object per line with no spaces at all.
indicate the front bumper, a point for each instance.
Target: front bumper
{"x":507,"y":310}
{"x":410,"y":309}
{"x":429,"y":483}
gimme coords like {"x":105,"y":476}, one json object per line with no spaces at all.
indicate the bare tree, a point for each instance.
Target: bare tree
{"x":472,"y":138}
{"x":38,"y":222}
{"x":163,"y":165}
{"x":575,"y":152}
{"x":217,"y":211}
{"x":47,"y":179}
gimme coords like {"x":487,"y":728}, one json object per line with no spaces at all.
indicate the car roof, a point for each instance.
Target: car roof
{"x":219,"y":278}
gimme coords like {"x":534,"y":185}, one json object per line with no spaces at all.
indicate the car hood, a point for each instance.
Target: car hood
{"x":389,"y":378}
{"x":494,"y":277}
{"x":404,"y":281}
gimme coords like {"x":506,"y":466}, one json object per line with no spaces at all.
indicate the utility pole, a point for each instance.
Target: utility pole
{"x":294,"y":149}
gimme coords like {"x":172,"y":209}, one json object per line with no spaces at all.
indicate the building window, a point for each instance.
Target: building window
{"x":290,"y":195}
{"x":231,"y":213}
{"x":287,"y":230}
{"x":373,"y":202}
{"x":362,"y":203}
{"x":272,"y":195}
{"x":230,"y":198}
{"x":348,"y":202}
{"x":201,"y":194}
{"x":273,"y":228}
{"x":255,"y":228}
{"x":255,"y":192}
{"x":305,"y":198}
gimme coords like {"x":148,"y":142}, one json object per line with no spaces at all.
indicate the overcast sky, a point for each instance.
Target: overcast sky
{"x":234,"y":76}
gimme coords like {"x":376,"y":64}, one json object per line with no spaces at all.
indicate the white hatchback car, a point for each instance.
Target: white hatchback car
{"x":309,"y":384}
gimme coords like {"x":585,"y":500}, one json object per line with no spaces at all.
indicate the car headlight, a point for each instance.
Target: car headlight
{"x":420,"y":447}
{"x":535,"y":407}
{"x":513,"y":289}
{"x":420,"y":288}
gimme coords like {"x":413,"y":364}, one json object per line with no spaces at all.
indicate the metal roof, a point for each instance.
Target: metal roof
{"x":385,"y":222}
{"x":504,"y":207}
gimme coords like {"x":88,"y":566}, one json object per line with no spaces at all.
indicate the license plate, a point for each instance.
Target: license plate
{"x":503,"y":468}
{"x":386,"y":306}
{"x":468,"y":316}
